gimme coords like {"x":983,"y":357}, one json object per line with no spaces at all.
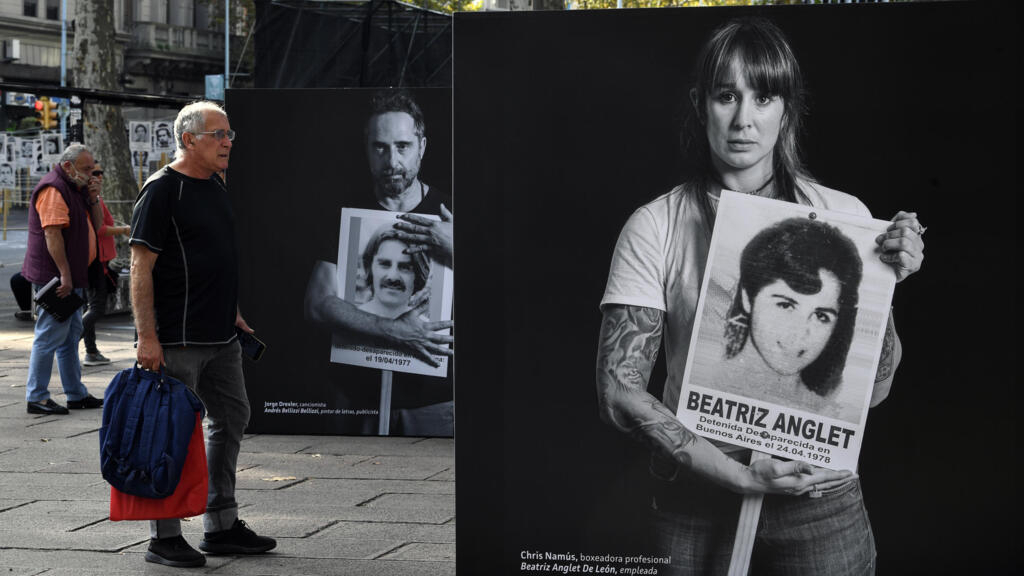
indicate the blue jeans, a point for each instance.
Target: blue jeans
{"x":214,"y":373}
{"x":796,"y":535}
{"x":52,"y":336}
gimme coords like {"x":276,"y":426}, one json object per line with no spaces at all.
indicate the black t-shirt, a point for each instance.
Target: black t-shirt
{"x":188,"y":222}
{"x":430,"y":204}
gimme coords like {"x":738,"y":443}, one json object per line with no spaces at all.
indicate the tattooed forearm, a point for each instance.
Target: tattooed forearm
{"x":630,"y":339}
{"x":887,"y":362}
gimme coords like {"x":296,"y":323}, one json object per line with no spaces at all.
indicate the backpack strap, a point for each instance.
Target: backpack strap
{"x":143,"y":387}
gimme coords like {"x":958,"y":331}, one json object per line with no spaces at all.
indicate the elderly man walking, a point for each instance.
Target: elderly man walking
{"x":63,"y":212}
{"x":184,"y":279}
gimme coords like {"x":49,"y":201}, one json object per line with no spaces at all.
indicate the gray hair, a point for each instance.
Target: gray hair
{"x":192,"y":118}
{"x":72,"y":152}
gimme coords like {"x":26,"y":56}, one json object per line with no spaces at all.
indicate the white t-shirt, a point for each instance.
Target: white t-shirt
{"x":659,"y":263}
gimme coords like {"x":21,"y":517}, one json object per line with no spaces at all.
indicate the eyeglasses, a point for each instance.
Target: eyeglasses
{"x":97,"y":172}
{"x":220,"y":134}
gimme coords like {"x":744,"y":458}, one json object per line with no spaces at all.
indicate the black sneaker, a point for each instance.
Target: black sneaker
{"x":239,"y":539}
{"x":173,"y":551}
{"x":88,"y":402}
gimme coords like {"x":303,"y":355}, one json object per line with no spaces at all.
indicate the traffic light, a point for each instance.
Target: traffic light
{"x":47,"y":112}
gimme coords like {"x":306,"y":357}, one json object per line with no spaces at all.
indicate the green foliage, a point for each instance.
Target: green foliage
{"x":449,"y":6}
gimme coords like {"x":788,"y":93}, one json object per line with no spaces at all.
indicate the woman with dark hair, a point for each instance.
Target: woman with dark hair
{"x":747,"y":100}
{"x":796,"y":304}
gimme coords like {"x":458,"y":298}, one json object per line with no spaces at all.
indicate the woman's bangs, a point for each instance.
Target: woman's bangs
{"x":765,"y":68}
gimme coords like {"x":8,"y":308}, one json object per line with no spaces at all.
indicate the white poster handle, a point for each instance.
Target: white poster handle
{"x":746,"y":527}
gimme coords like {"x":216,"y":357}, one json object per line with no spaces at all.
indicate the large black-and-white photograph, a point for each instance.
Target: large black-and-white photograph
{"x":380,"y":273}
{"x":385,"y":151}
{"x":591,"y":175}
{"x":790,"y":320}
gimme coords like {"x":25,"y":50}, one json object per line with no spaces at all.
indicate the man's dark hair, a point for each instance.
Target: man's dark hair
{"x":421,"y":264}
{"x":386,"y":101}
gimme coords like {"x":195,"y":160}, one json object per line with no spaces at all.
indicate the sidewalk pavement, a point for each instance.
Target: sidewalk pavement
{"x":335,"y":504}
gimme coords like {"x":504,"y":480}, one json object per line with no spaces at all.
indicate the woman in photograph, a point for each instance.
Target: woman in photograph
{"x":789,"y":329}
{"x":747,"y":102}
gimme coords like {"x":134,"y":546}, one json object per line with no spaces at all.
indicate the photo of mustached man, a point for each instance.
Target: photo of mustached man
{"x":392,"y":274}
{"x":395,"y":142}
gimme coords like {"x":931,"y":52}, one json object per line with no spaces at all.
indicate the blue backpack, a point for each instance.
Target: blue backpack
{"x":148,"y":419}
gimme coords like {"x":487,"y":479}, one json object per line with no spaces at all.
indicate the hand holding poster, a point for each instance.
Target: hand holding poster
{"x":789,"y":330}
{"x":377,"y":273}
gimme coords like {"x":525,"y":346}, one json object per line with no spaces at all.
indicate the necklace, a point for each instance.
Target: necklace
{"x":757,"y":192}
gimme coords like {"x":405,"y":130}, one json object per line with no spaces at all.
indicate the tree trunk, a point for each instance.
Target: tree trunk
{"x":97,"y":65}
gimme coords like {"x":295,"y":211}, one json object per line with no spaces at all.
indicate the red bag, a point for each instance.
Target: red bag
{"x":188,"y":499}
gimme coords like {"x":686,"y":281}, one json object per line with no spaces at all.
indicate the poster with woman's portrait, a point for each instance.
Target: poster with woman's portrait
{"x":789,"y":330}
{"x":382,"y":274}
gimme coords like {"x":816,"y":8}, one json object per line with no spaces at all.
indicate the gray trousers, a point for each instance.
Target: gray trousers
{"x":215,"y":374}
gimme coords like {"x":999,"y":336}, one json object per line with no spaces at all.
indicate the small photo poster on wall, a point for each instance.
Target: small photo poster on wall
{"x":138,"y":136}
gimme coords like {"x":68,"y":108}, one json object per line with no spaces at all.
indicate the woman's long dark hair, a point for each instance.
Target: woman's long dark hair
{"x":770,"y":68}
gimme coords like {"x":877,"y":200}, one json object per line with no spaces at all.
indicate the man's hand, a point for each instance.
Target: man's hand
{"x":94,"y":187}
{"x":795,"y":478}
{"x":902,"y":244}
{"x":240,"y":322}
{"x":408,"y":332}
{"x":150,"y":354}
{"x":427,"y":235}
{"x":419,"y":337}
{"x":65,"y":287}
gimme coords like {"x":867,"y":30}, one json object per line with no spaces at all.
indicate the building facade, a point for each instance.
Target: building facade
{"x":167,"y":47}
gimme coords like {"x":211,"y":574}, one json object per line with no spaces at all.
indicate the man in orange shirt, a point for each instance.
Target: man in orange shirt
{"x":61,"y":243}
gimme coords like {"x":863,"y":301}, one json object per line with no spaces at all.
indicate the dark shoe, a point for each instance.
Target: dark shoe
{"x":95,"y":359}
{"x":89,"y":401}
{"x":25,"y":315}
{"x":47,"y":406}
{"x":173,"y":551}
{"x":239,"y":539}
